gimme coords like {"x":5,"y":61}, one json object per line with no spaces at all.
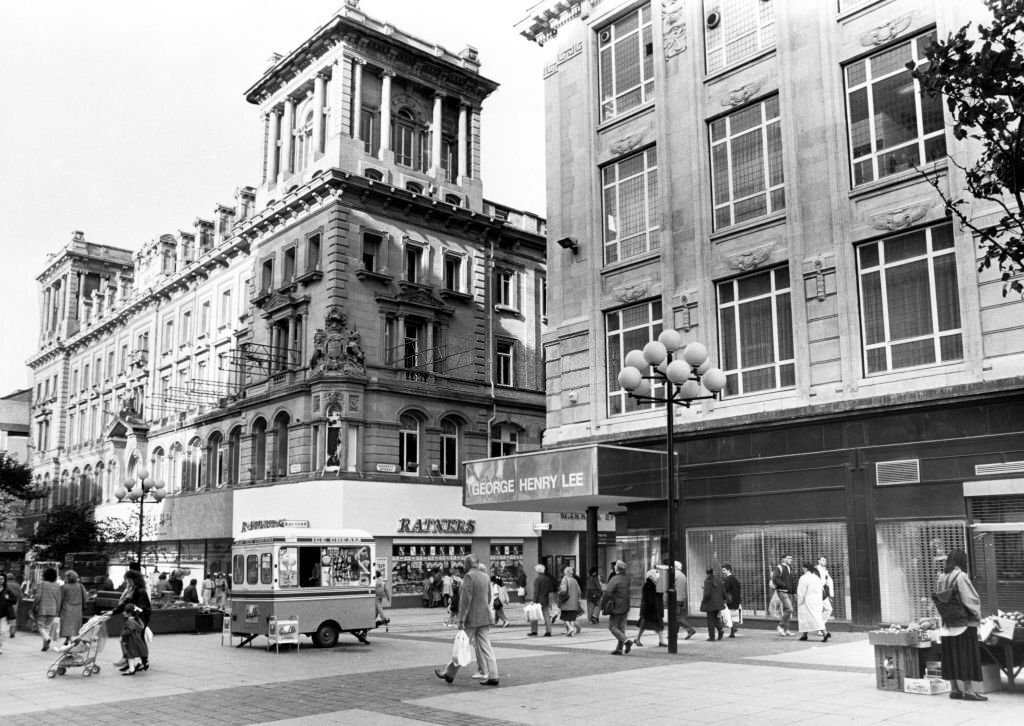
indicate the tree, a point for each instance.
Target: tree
{"x":66,"y":528}
{"x":16,"y":487}
{"x":982,"y":80}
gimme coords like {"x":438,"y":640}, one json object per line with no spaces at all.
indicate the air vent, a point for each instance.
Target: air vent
{"x":1003,"y":467}
{"x":907,"y":471}
{"x":606,"y":35}
{"x":713,"y":19}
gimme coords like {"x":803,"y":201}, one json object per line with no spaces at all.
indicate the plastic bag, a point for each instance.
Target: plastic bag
{"x":148,"y":635}
{"x":725,"y":617}
{"x":775,"y":606}
{"x":533,"y":612}
{"x":462,"y":651}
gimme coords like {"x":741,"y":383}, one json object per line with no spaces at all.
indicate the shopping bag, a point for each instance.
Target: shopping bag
{"x":462,"y":651}
{"x":725,"y":617}
{"x":532,"y":612}
{"x":148,"y":635}
{"x":775,"y":606}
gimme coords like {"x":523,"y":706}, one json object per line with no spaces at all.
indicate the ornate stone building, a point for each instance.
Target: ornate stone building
{"x":329,"y":349}
{"x":748,"y":172}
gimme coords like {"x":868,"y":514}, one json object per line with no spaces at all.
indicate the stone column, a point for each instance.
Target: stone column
{"x":289,"y":355}
{"x":462,"y":142}
{"x":287,"y":139}
{"x":319,"y":101}
{"x":436,"y":169}
{"x":357,"y":97}
{"x":273,"y":146}
{"x":46,"y":302}
{"x":473,"y":162}
{"x":385,"y":115}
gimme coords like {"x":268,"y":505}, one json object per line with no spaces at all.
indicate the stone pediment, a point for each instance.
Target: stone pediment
{"x":126,"y":426}
{"x":412,"y":295}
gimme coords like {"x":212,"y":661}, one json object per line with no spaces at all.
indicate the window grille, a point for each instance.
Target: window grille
{"x":753,"y":551}
{"x":911,"y":555}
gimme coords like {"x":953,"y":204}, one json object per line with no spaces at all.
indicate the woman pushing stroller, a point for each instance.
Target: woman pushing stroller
{"x":135,"y":606}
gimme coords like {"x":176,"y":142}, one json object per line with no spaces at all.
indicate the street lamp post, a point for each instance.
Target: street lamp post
{"x":146,"y":486}
{"x":687,"y":378}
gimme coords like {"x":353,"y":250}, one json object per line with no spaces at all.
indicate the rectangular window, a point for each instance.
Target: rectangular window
{"x":504,"y":441}
{"x":910,"y":300}
{"x":504,"y":362}
{"x":225,"y":308}
{"x":736,"y":29}
{"x":111,"y":372}
{"x":746,"y":164}
{"x":185,"y":336}
{"x":453,"y":273}
{"x":372,"y":246}
{"x":505,"y":288}
{"x":626,"y":67}
{"x":627,"y":329}
{"x":74,"y":385}
{"x":755,"y":329}
{"x":543,"y":283}
{"x":123,"y":365}
{"x":168,"y":341}
{"x":96,"y":371}
{"x":204,"y":319}
{"x":449,"y":449}
{"x":894,"y":125}
{"x":369,"y":128}
{"x":289,"y":265}
{"x":313,"y":252}
{"x":267,"y":276}
{"x":630,"y":205}
{"x":408,"y":445}
{"x":85,"y":377}
{"x":72,"y":439}
{"x":413,"y":262}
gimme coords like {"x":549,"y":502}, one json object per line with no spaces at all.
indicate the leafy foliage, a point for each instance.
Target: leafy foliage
{"x":981,"y":76}
{"x":66,"y":528}
{"x":16,"y":480}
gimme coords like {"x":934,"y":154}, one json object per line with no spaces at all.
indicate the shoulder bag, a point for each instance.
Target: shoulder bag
{"x":951,"y":608}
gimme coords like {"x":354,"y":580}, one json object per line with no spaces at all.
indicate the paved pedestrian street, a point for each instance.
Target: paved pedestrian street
{"x":757,"y":678}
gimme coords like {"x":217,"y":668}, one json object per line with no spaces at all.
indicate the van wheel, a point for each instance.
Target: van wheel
{"x":326,"y":636}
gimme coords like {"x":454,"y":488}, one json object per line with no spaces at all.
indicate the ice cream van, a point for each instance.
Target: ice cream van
{"x":322,"y":578}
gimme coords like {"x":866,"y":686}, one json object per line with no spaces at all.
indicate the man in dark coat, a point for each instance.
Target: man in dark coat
{"x":712,"y":603}
{"x":783,"y":581}
{"x":733,"y":598}
{"x":475,"y":618}
{"x":615,"y":604}
{"x":544,"y":589}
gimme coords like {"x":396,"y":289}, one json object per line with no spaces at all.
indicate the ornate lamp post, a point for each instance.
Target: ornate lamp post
{"x":687,"y":376}
{"x":146,"y":486}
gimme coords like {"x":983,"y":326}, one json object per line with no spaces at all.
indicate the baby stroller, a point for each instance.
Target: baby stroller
{"x":83,"y":649}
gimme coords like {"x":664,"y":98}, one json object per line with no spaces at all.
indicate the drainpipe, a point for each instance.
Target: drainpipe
{"x":489,"y":302}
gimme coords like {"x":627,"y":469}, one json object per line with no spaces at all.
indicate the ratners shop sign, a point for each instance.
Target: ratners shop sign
{"x":436,"y":526}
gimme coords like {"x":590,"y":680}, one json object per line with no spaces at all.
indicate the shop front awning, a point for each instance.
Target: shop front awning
{"x":564,"y":480}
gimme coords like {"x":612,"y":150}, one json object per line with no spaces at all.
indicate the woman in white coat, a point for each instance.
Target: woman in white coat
{"x":809,"y":611}
{"x":828,"y":589}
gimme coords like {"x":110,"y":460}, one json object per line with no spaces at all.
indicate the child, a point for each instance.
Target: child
{"x":133,"y":641}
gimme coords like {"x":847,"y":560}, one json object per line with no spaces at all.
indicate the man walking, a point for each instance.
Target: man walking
{"x":682,"y":603}
{"x":733,"y":598}
{"x":785,"y":586}
{"x":475,"y":617}
{"x":616,"y":604}
{"x":544,"y":589}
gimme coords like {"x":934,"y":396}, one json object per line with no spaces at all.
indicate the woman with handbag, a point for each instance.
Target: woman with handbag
{"x":134,"y":602}
{"x":960,"y":610}
{"x":569,"y":597}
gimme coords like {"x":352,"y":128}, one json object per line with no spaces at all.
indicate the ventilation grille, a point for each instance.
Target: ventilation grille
{"x":1004,"y":467}
{"x":907,"y":471}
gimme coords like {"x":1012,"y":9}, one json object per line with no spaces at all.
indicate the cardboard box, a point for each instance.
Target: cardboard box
{"x":911,"y":638}
{"x":925,"y":686}
{"x":991,"y":678}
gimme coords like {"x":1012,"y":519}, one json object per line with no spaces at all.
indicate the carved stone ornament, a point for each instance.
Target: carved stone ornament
{"x":750,"y":260}
{"x":627,"y":143}
{"x":900,"y":218}
{"x":673,"y":27}
{"x":740,"y":96}
{"x":631,"y":293}
{"x":888,"y":31}
{"x":337,"y":347}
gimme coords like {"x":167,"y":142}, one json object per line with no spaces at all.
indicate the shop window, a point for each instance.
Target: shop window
{"x":911,"y":555}
{"x":411,"y":564}
{"x":753,"y":551}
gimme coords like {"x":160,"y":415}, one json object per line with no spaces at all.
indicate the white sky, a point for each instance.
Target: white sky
{"x":125,"y":119}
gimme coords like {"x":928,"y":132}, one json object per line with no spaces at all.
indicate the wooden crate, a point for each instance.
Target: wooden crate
{"x":894,"y":663}
{"x":902,"y":637}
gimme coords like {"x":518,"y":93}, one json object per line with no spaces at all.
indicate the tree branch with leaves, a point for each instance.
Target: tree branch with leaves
{"x":980,"y":73}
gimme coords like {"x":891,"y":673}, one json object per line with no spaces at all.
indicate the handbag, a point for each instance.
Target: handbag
{"x":951,"y":608}
{"x":462,"y":651}
{"x":563,"y":597}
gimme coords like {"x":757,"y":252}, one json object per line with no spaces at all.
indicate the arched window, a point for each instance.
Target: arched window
{"x":281,"y":422}
{"x":215,"y":460}
{"x":60,"y":495}
{"x":194,"y":464}
{"x":100,"y":483}
{"x":375,"y":174}
{"x":234,"y":455}
{"x":111,"y":479}
{"x":259,"y":449}
{"x":158,"y":466}
{"x":174,"y":468}
{"x":415,"y":187}
{"x":73,"y":488}
{"x":409,"y":444}
{"x":304,"y":142}
{"x":449,"y":465}
{"x":85,"y":493}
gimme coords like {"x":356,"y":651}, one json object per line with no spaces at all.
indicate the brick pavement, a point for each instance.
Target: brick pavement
{"x":756,"y":678}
